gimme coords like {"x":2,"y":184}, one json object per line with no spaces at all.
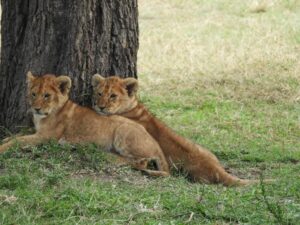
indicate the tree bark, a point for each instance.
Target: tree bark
{"x":72,"y":37}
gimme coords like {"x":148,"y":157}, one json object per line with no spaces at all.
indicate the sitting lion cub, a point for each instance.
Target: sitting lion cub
{"x":118,"y":96}
{"x":56,"y":117}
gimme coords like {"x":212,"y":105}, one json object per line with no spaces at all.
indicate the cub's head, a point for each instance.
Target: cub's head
{"x":114,"y":95}
{"x":47,"y":94}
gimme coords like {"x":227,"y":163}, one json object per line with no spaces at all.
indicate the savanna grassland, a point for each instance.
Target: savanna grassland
{"x":225,"y":74}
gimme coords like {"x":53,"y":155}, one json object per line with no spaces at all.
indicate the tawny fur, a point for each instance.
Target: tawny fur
{"x":114,"y":95}
{"x":56,"y":117}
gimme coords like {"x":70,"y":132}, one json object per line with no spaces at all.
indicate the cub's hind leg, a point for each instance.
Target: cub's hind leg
{"x":133,"y":142}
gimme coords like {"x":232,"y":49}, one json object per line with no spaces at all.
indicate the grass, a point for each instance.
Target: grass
{"x":54,"y":184}
{"x":225,"y":74}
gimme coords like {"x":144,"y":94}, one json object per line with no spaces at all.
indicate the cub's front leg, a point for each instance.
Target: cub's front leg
{"x":32,"y":140}
{"x":7,"y":139}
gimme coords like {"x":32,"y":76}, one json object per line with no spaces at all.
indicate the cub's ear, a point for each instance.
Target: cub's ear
{"x":64,"y":84}
{"x":29,"y":78}
{"x":97,"y":79}
{"x":131,"y":85}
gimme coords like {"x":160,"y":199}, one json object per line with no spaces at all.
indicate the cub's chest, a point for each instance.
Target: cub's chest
{"x":37,"y":120}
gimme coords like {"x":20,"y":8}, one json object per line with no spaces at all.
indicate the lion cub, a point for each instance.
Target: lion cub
{"x":56,"y":117}
{"x":113,"y":95}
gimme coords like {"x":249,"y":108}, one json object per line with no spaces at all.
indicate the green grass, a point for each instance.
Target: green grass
{"x":55,"y":184}
{"x":225,"y":74}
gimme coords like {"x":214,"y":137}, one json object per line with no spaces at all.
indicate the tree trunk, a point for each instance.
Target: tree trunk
{"x":72,"y":37}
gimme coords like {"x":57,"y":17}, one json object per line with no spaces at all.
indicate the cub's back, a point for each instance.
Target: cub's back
{"x":86,"y":120}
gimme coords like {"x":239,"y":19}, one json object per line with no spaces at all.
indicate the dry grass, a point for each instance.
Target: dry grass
{"x":222,"y":47}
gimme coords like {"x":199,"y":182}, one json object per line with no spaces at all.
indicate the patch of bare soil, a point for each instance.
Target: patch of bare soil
{"x":113,"y":173}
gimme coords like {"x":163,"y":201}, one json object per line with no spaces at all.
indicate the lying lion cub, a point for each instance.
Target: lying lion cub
{"x":56,"y":117}
{"x":118,"y":96}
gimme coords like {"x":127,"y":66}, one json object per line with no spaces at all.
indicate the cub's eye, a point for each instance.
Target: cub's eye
{"x":33,"y":94}
{"x":113,"y":96}
{"x":99,"y":94}
{"x":46,"y":95}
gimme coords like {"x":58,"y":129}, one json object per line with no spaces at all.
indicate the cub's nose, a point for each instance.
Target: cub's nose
{"x":101,"y":108}
{"x":37,"y":109}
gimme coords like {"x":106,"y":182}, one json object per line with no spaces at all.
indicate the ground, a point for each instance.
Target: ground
{"x":225,"y":74}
